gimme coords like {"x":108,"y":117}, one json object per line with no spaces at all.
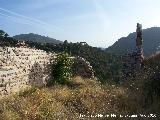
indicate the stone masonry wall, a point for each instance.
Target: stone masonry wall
{"x":21,"y":68}
{"x":24,"y":67}
{"x":82,"y":67}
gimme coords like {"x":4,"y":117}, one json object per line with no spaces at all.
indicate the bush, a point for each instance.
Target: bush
{"x":62,"y":68}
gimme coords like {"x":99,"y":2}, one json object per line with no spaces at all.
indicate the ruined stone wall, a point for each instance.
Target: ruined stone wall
{"x":82,"y":67}
{"x":22,"y":67}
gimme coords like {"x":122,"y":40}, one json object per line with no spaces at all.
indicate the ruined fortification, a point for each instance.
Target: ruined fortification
{"x":83,"y":68}
{"x":132,"y":62}
{"x":23,"y":67}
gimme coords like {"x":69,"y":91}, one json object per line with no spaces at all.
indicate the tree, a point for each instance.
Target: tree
{"x":6,"y":35}
{"x":65,"y":45}
{"x":62,"y":68}
{"x":65,"y":42}
{"x":2,"y":33}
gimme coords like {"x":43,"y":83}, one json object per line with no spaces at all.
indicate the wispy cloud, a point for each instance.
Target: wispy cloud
{"x":77,"y":18}
{"x":40,"y":4}
{"x":28,"y":20}
{"x":15,"y":19}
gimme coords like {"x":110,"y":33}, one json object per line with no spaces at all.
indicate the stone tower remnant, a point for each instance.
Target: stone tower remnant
{"x":139,"y":35}
{"x":139,"y":50}
{"x":132,"y":62}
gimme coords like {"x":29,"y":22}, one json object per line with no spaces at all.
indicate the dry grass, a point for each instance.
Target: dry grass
{"x":79,"y":96}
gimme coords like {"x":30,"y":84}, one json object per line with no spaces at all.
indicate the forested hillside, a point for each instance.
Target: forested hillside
{"x":36,"y":38}
{"x":151,"y":42}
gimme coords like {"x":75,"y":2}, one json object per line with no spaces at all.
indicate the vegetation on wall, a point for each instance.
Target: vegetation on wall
{"x":62,"y":68}
{"x":107,"y":66}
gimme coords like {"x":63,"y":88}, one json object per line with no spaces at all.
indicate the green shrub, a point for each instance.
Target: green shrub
{"x":62,"y":68}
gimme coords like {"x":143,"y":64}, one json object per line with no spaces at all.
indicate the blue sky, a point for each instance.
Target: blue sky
{"x":98,"y":22}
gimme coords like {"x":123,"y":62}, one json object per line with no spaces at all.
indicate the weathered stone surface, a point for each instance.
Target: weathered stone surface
{"x":83,"y":68}
{"x":132,"y":62}
{"x":22,"y":67}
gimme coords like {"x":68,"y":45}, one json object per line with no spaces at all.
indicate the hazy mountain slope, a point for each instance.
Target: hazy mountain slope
{"x":151,"y":38}
{"x":36,"y":38}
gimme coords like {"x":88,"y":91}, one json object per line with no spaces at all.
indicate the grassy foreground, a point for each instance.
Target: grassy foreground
{"x":80,"y":97}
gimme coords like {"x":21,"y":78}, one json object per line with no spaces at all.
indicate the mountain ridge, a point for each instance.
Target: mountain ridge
{"x":36,"y":38}
{"x":151,"y":42}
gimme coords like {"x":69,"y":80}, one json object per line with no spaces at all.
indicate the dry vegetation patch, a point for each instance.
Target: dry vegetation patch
{"x":89,"y":97}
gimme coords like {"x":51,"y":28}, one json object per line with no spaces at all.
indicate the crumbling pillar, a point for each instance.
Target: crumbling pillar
{"x":139,"y":57}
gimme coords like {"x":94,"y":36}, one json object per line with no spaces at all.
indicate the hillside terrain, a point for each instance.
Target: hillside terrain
{"x":36,"y":38}
{"x":151,"y":42}
{"x":84,"y":98}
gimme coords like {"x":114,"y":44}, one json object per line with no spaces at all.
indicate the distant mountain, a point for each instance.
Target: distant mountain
{"x":36,"y":38}
{"x":151,"y":42}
